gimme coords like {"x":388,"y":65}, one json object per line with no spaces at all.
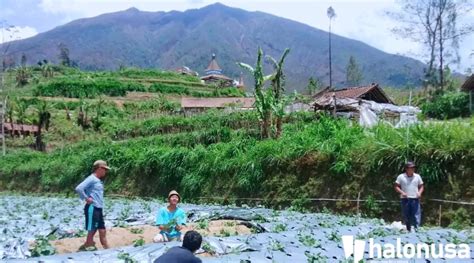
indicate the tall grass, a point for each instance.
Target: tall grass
{"x":322,"y":158}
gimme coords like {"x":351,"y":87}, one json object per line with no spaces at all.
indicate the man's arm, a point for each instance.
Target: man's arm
{"x":80,"y":189}
{"x":399,"y":190}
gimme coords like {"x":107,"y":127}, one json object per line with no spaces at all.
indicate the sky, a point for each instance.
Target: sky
{"x":363,"y":20}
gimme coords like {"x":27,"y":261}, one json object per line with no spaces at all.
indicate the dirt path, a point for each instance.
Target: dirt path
{"x":119,"y":237}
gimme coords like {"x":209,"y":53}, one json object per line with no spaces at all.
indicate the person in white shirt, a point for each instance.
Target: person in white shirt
{"x":410,"y":187}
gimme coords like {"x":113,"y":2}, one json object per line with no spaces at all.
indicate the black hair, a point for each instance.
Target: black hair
{"x":192,"y":240}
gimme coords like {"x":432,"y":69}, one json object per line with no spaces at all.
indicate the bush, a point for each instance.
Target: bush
{"x":166,"y":88}
{"x":152,"y":73}
{"x":228,"y":92}
{"x":320,"y":158}
{"x":447,"y":106}
{"x":460,"y":219}
{"x":90,"y":88}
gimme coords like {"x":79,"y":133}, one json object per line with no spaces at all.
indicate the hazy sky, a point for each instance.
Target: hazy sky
{"x":363,"y":20}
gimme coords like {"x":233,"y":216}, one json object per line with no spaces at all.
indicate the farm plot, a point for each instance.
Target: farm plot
{"x":30,"y":224}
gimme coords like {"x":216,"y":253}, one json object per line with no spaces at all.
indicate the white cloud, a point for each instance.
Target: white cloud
{"x":17,"y":33}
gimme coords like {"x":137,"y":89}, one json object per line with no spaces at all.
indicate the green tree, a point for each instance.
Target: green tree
{"x":278,"y":86}
{"x":64,"y":55}
{"x":22,"y":75}
{"x":353,"y":73}
{"x":263,"y":97}
{"x":436,"y":25}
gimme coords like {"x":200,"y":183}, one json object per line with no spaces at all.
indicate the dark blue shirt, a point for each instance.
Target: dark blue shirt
{"x":178,"y":255}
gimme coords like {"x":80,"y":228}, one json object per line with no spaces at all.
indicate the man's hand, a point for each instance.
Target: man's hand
{"x":418,"y":194}
{"x":404,"y":195}
{"x":89,"y":200}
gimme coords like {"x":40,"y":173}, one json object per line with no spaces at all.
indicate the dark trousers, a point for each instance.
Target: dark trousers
{"x":410,"y":208}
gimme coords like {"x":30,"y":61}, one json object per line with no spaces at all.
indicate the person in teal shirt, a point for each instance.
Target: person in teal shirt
{"x":171,"y":220}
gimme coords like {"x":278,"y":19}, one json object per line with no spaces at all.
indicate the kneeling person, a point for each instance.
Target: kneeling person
{"x":170,"y":220}
{"x":185,"y":254}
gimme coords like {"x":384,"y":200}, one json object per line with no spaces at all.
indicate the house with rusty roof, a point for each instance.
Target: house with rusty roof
{"x":213,"y":75}
{"x":191,"y":106}
{"x":371,"y":92}
{"x":20,"y":129}
{"x":368,"y":104}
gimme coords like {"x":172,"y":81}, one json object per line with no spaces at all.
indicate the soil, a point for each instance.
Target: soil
{"x":119,"y":237}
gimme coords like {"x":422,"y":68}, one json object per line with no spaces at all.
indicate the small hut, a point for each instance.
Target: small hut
{"x":366,"y":103}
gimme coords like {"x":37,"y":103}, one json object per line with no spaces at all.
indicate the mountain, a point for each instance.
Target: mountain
{"x":169,"y":40}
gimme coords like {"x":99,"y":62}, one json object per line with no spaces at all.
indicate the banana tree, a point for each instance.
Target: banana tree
{"x":278,"y":87}
{"x":47,"y":70}
{"x":263,"y":97}
{"x":22,"y":74}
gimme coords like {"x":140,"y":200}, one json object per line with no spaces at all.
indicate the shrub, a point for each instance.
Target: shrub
{"x":447,"y":106}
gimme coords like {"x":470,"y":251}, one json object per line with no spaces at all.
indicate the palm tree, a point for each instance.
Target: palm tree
{"x":331,"y":14}
{"x":278,"y":85}
{"x":44,"y":117}
{"x":21,"y":76}
{"x":263,"y":97}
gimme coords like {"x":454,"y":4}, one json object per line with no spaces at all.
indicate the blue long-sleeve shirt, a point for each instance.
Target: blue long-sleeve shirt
{"x":92,"y":187}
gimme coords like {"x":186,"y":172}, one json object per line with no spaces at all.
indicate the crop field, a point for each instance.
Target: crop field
{"x":30,"y":224}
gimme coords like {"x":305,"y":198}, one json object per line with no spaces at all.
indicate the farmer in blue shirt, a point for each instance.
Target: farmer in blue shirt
{"x":91,"y":190}
{"x":170,"y":220}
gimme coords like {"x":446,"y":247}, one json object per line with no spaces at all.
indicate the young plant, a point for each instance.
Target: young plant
{"x":139,"y":242}
{"x":42,"y":247}
{"x":136,"y":230}
{"x":279,"y":228}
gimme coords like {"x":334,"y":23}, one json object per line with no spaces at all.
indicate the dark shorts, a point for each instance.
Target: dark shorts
{"x":94,"y":218}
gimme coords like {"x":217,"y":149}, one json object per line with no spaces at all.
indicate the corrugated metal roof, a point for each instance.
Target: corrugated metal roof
{"x":216,"y":76}
{"x":355,"y":93}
